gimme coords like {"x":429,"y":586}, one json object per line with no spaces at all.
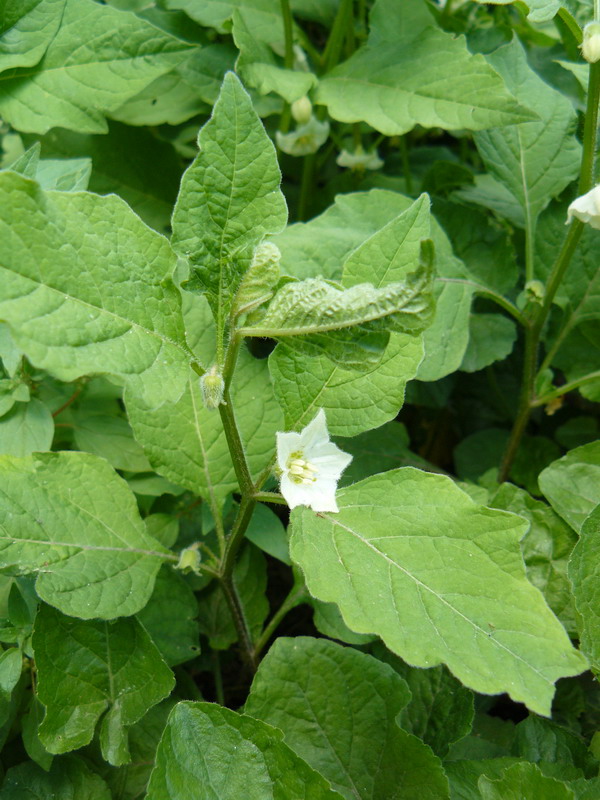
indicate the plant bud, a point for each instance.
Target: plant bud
{"x":590,"y":47}
{"x":189,"y":559}
{"x":212,"y":386}
{"x":302,"y":110}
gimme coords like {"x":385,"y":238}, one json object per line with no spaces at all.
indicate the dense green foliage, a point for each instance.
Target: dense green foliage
{"x":225,"y":224}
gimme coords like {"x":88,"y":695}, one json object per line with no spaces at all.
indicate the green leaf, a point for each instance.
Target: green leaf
{"x":353,"y":401}
{"x":170,"y":617}
{"x":541,"y":740}
{"x":350,"y":326}
{"x":524,"y":780}
{"x":27,"y":428}
{"x":265,"y":15}
{"x":440,"y":710}
{"x":444,"y":352}
{"x":534,"y":161}
{"x":201,"y":737}
{"x":63,"y":257}
{"x":68,"y":778}
{"x":266,"y":531}
{"x":259,"y":67}
{"x":579,"y":355}
{"x":572,"y":484}
{"x":478,"y":614}
{"x":26,"y":29}
{"x":75,"y":86}
{"x":328,"y":621}
{"x":464,"y":774}
{"x":250,"y":579}
{"x":378,"y":254}
{"x":584,"y":573}
{"x":491,"y":338}
{"x":186,"y":443}
{"x":87,"y":668}
{"x":337,"y":708}
{"x":120,"y":160}
{"x":378,"y":451}
{"x":72,"y":520}
{"x":31,"y":741}
{"x":229,"y":199}
{"x":539,"y":10}
{"x":64,"y":175}
{"x":451,"y":89}
{"x":546,"y":547}
{"x":129,"y":782}
{"x":111,"y":438}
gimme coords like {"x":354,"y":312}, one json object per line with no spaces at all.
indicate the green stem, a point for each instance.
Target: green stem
{"x":333,"y":49}
{"x":288,"y":32}
{"x":406,"y":164}
{"x":236,"y":537}
{"x":571,"y":24}
{"x":308,"y":170}
{"x":232,"y":434}
{"x":270,"y":497}
{"x":293,"y":599}
{"x":527,"y":400}
{"x":597,"y":9}
{"x":567,"y":387}
{"x":218,"y":677}
{"x":497,"y":298}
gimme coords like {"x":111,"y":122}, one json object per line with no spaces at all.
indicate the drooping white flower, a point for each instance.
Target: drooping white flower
{"x":586,"y":208}
{"x":359,"y":160}
{"x":311,"y":466}
{"x":306,"y":139}
{"x":590,"y":46}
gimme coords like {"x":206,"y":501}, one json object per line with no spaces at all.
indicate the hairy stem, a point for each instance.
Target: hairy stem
{"x":533,"y":331}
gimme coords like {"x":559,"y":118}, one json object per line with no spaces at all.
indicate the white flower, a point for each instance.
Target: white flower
{"x":310,"y":466}
{"x":586,"y":208}
{"x":359,"y":159}
{"x":590,"y":46}
{"x":306,"y":139}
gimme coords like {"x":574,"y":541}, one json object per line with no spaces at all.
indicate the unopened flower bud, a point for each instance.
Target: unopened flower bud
{"x":213,"y":387}
{"x":302,"y":110}
{"x":586,"y":208}
{"x":189,"y":559}
{"x":590,"y":47}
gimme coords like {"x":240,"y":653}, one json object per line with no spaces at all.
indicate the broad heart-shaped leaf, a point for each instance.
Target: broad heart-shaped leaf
{"x":70,"y":519}
{"x":68,"y":778}
{"x":413,"y":559}
{"x":86,"y":668}
{"x":536,"y":160}
{"x":186,"y":443}
{"x":546,"y":547}
{"x":26,"y":29}
{"x":200,"y":738}
{"x":74,"y":86}
{"x":85,"y":287}
{"x":451,"y":89}
{"x":584,"y":573}
{"x":350,"y":326}
{"x":491,"y":338}
{"x":229,"y":199}
{"x":337,"y":708}
{"x":524,"y":780}
{"x":572,"y":484}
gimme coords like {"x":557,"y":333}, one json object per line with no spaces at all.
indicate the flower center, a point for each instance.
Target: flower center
{"x":300,"y":470}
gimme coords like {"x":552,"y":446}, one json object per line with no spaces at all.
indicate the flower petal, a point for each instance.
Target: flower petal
{"x":320,"y":495}
{"x":314,"y":434}
{"x":287,"y":443}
